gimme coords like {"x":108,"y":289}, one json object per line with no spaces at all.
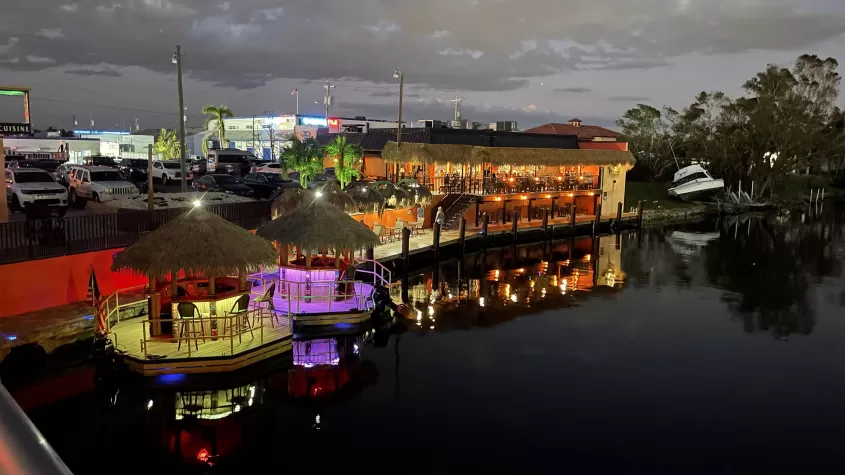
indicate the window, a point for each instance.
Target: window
{"x":157,"y":165}
{"x":78,"y":174}
{"x":33,"y":177}
{"x":206,"y":180}
{"x":107,"y":176}
{"x":172,"y":165}
{"x":86,"y":177}
{"x":249,"y":127}
{"x":260,"y":178}
{"x":689,"y":178}
{"x":226,"y":180}
{"x":233,"y":127}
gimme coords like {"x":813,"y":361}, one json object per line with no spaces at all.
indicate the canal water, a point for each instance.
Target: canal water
{"x":717,"y":347}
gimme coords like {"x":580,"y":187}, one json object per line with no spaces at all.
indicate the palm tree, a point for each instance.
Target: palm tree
{"x":347,"y":159}
{"x":304,"y":156}
{"x":217,"y":114}
{"x":167,"y":144}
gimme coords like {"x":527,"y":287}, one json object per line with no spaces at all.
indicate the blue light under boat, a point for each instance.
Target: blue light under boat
{"x":170,"y":378}
{"x":88,"y":317}
{"x":343,"y":325}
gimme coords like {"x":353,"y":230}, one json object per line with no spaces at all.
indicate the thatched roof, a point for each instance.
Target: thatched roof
{"x":395,"y":195}
{"x":317,"y":225}
{"x":198,"y":242}
{"x":365,"y":197}
{"x":333,"y":194}
{"x":421,"y":193}
{"x":289,"y":200}
{"x":474,"y":155}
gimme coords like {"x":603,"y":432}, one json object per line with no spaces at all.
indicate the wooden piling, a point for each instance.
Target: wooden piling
{"x":477,"y":211}
{"x":639,"y":214}
{"x":436,"y":242}
{"x":619,"y":215}
{"x":462,"y":235}
{"x":515,"y":225}
{"x":485,"y":224}
{"x":406,"y":262}
{"x":572,"y":220}
{"x":597,"y":221}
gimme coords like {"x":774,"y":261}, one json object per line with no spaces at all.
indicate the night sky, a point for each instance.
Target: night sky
{"x":532,"y":61}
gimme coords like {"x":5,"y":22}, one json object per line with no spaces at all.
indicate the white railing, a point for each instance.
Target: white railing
{"x":381,"y":274}
{"x":330,"y":293}
{"x":231,"y":325}
{"x":112,"y":305}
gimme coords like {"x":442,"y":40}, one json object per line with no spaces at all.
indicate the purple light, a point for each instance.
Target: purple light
{"x":315,"y":352}
{"x":12,"y":337}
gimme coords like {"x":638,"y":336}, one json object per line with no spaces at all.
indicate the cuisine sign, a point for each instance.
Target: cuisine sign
{"x":12,"y":128}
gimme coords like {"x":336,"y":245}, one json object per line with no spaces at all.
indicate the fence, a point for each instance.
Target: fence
{"x":53,"y":237}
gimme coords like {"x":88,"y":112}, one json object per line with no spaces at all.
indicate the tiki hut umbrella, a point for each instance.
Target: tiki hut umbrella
{"x":319,"y":225}
{"x":365,"y":198}
{"x":198,"y":242}
{"x":421,"y":193}
{"x":289,"y":200}
{"x":396,"y":196}
{"x":332,"y":193}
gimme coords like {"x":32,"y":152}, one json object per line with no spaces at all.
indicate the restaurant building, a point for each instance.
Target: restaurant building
{"x":504,"y":174}
{"x":590,"y":137}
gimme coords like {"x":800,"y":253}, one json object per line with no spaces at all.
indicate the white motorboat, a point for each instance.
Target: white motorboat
{"x":694,"y":183}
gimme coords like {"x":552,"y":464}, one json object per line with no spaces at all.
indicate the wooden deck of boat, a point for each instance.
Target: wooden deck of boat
{"x":220,"y":355}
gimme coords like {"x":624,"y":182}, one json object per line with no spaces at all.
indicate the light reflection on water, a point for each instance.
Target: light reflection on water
{"x":709,"y":348}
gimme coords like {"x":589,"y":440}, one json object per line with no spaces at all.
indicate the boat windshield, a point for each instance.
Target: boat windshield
{"x":690,"y":177}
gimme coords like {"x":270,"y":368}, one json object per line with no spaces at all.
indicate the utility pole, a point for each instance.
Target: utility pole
{"x":150,"y":206}
{"x":295,"y":92}
{"x":397,"y":74}
{"x":4,"y":206}
{"x":327,"y":100}
{"x":177,"y":59}
{"x":457,"y":105}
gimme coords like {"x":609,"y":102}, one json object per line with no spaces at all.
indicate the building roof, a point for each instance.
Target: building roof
{"x":376,"y":139}
{"x":584,"y":132}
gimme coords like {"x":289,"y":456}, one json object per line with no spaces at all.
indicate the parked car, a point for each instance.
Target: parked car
{"x":233,"y":161}
{"x":267,"y":167}
{"x":223,"y":183}
{"x":98,"y":184}
{"x":134,"y":169}
{"x":169,"y":170}
{"x":266,"y":183}
{"x":327,"y":174}
{"x":61,"y":174}
{"x":100,"y":161}
{"x":199,"y":166}
{"x":27,"y":188}
{"x":47,"y":165}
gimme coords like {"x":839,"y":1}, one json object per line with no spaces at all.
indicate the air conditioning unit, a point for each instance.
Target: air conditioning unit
{"x":506,"y":126}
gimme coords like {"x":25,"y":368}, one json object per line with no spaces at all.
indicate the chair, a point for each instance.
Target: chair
{"x":378,"y":230}
{"x":240,"y":320}
{"x":266,"y":303}
{"x":188,"y":313}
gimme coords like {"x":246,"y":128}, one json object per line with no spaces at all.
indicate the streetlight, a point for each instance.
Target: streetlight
{"x":397,"y":74}
{"x":177,"y":60}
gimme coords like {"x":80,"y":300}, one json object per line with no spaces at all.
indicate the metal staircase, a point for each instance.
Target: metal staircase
{"x":457,"y":209}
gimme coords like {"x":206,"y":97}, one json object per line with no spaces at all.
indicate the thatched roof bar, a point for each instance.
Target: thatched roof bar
{"x":474,"y":155}
{"x":317,"y":225}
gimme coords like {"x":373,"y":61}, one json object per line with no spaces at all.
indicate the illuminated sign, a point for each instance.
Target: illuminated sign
{"x":7,"y":128}
{"x":318,"y":121}
{"x":334,"y":123}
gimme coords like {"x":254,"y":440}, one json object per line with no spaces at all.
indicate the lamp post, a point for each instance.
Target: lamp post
{"x":397,"y":74}
{"x":177,"y":60}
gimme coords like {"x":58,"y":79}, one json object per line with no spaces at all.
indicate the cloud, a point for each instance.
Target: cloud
{"x":92,"y":72}
{"x":573,"y":90}
{"x":69,"y":7}
{"x":40,"y":60}
{"x":629,"y":99}
{"x":50,"y":33}
{"x":394,"y":93}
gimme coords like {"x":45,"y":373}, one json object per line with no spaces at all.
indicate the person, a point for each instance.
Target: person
{"x":440,"y":218}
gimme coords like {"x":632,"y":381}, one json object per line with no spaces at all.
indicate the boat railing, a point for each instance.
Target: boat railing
{"x":381,"y":274}
{"x":22,"y":447}
{"x":112,"y":305}
{"x":230,"y":328}
{"x":318,"y":297}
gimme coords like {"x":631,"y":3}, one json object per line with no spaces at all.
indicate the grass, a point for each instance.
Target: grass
{"x":653,"y":194}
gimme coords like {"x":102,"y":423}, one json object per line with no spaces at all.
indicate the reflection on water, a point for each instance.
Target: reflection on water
{"x":683,"y":350}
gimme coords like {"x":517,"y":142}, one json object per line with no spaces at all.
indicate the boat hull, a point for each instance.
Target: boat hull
{"x":698,"y":191}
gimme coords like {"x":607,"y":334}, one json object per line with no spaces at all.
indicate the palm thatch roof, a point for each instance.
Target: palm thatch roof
{"x":475,"y":155}
{"x":421,"y":193}
{"x":331,"y":192}
{"x":395,"y":196}
{"x":319,"y":225}
{"x":198,"y":242}
{"x":365,"y":198}
{"x":289,"y":200}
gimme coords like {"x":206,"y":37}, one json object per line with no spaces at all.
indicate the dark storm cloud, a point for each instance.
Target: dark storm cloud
{"x":476,"y":45}
{"x":92,"y":72}
{"x":573,"y":90}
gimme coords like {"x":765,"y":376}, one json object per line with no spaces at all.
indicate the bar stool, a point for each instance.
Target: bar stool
{"x":188,"y":313}
{"x":239,"y":320}
{"x":266,"y":303}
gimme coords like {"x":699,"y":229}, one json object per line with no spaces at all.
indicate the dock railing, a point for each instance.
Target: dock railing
{"x":381,"y":274}
{"x":229,"y":330}
{"x":332,"y":294}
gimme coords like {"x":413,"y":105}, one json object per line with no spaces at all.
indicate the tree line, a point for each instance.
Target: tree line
{"x":786,"y":122}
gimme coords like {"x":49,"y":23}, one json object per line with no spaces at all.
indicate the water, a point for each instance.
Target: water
{"x":711,"y":348}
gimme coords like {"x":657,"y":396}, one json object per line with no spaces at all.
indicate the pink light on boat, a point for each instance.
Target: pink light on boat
{"x":315,"y":352}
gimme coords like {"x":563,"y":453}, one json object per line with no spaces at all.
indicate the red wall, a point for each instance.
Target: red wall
{"x":617,"y":146}
{"x":35,"y":285}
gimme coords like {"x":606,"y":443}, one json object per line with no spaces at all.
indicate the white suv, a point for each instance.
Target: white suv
{"x":169,"y":170}
{"x":98,"y":184}
{"x":27,"y":187}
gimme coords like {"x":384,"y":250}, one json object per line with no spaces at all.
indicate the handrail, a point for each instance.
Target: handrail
{"x":292,"y":293}
{"x":381,"y":271}
{"x":24,"y":450}
{"x":189,"y":339}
